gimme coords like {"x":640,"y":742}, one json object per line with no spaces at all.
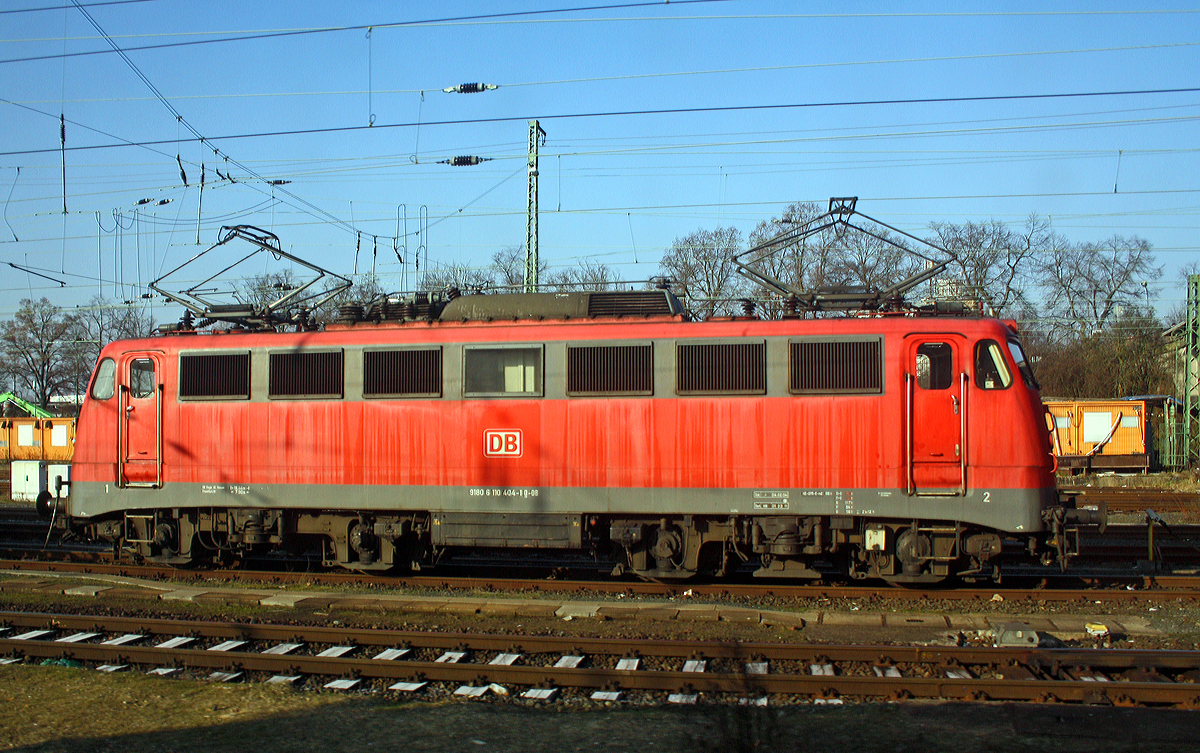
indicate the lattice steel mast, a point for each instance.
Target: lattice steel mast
{"x":536,"y":137}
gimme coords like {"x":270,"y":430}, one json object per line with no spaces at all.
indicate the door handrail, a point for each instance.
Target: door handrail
{"x":908,"y":431}
{"x":963,"y":431}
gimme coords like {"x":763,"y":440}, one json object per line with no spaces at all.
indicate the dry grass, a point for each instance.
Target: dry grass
{"x":75,"y":710}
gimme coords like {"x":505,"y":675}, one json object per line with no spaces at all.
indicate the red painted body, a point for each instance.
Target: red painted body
{"x":663,"y":441}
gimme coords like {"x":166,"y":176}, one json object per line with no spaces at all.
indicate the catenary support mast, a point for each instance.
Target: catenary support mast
{"x":536,"y":137}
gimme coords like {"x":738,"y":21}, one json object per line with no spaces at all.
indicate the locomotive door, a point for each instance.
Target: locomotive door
{"x":936,"y":420}
{"x":140,"y":434}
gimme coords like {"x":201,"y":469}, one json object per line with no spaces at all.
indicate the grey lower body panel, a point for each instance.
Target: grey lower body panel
{"x":1013,"y":510}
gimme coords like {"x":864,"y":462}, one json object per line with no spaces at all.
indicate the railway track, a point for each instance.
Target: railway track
{"x":1109,"y":557}
{"x":1136,"y":500}
{"x":541,"y":668}
{"x":1130,"y":588}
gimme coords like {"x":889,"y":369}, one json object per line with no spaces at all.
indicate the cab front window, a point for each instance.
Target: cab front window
{"x":104,"y":384}
{"x":1018,"y":356}
{"x":991,"y":371}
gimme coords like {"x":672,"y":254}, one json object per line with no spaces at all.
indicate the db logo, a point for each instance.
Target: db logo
{"x":502,"y":443}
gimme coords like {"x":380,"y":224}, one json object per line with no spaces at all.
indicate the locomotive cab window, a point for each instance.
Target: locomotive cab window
{"x":935,"y":366}
{"x":214,"y":376}
{"x":105,"y":383}
{"x":306,"y":374}
{"x":1022,"y":363}
{"x":141,"y":378}
{"x":991,"y":372}
{"x":503,"y":371}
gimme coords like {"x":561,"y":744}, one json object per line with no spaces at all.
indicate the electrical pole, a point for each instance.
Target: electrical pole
{"x":1191,"y":373}
{"x":536,"y":137}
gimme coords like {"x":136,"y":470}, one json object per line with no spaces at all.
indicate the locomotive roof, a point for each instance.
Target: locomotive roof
{"x":561,"y":305}
{"x":560,"y":316}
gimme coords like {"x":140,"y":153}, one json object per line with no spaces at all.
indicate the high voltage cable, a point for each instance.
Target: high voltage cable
{"x":363,"y":27}
{"x":1066,"y":218}
{"x":672,"y":74}
{"x":955,"y":156}
{"x":632,"y":113}
{"x":186,"y":124}
{"x":652,"y":147}
{"x":845,"y":161}
{"x":69,"y":7}
{"x":523,"y":18}
{"x":761,"y":134}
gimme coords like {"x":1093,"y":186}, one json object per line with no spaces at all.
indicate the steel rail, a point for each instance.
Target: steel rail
{"x":1135,"y":500}
{"x":1150,"y":588}
{"x":1020,"y":674}
{"x":1125,"y":658}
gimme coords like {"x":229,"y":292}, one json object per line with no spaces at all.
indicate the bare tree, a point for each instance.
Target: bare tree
{"x":97,"y":324}
{"x":1123,"y":359}
{"x":699,"y":266}
{"x":874,"y":263}
{"x":806,"y":264}
{"x":39,"y":345}
{"x":584,"y":276}
{"x":363,"y":289}
{"x":458,"y":275}
{"x":264,"y":289}
{"x":8,"y":374}
{"x":508,"y":266}
{"x":1178,"y":312}
{"x":1088,"y":284}
{"x":995,"y":261}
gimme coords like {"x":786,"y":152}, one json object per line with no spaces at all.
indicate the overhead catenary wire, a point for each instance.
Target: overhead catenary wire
{"x":362,"y":27}
{"x":8,"y":201}
{"x":186,"y":124}
{"x":287,"y":213}
{"x":658,"y":111}
{"x":10,"y":11}
{"x":663,"y":74}
{"x":516,"y":17}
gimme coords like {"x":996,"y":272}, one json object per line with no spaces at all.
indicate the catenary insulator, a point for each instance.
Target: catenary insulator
{"x":469,"y":88}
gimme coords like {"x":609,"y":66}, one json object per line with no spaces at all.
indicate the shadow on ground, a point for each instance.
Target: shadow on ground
{"x":362,"y":724}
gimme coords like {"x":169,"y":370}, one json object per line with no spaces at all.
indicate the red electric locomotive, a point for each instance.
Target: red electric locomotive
{"x":895,"y":446}
{"x":908,"y":446}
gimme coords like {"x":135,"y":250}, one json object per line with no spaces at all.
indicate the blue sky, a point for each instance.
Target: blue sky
{"x":619,"y":181}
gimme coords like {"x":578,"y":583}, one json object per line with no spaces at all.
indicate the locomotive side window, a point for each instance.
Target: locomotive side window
{"x":991,"y":372}
{"x":835,"y":367}
{"x":1018,"y":356}
{"x":306,"y":374}
{"x":507,"y":371}
{"x":221,"y":376}
{"x":935,"y":366}
{"x":403,"y":373}
{"x":105,"y":384}
{"x":721,"y":368}
{"x":141,"y":378}
{"x":610,"y":370}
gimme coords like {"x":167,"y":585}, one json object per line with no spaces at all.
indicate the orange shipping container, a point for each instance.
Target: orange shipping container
{"x":1100,"y":433}
{"x":50,"y":439}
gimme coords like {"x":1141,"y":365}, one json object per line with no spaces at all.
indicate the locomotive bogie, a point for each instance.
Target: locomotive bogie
{"x":898,"y":447}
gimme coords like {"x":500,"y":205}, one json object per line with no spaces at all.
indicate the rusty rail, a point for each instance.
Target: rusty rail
{"x":1147,"y":588}
{"x":1120,"y":676}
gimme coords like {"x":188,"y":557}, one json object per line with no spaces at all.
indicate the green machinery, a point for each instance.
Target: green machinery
{"x":30,"y":408}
